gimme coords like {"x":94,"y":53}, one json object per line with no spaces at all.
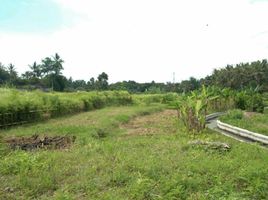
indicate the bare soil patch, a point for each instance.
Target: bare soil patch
{"x":157,"y":123}
{"x":249,"y":114}
{"x":40,"y":142}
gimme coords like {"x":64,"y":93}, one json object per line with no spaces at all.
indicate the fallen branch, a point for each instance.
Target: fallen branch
{"x":212,"y":145}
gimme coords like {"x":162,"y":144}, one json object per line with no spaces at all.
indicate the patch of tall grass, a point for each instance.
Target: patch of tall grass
{"x":147,"y":99}
{"x":16,"y":106}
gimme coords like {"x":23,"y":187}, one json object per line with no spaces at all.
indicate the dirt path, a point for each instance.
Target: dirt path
{"x":157,"y":123}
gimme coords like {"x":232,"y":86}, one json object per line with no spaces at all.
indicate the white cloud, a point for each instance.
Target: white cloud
{"x":147,"y":40}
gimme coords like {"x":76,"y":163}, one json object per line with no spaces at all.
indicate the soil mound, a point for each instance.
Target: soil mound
{"x":40,"y":142}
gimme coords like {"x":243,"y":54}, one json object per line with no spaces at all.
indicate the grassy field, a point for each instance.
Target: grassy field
{"x":131,"y":152}
{"x":255,"y":122}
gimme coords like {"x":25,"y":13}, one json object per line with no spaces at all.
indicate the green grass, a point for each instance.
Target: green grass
{"x":257,"y":122}
{"x":24,"y":106}
{"x":19,"y":104}
{"x":167,"y":98}
{"x":120,"y":166}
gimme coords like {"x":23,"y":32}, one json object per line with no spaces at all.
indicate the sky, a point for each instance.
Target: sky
{"x":140,"y":40}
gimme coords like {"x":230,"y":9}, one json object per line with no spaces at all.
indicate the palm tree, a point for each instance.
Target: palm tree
{"x":57,"y":64}
{"x":52,"y":68}
{"x":36,"y":70}
{"x":12,"y":72}
{"x":27,"y":75}
{"x":46,"y":66}
{"x":11,"y":69}
{"x":4,"y":75}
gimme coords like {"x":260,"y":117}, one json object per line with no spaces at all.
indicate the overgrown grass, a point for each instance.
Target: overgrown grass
{"x":23,"y":106}
{"x":105,"y":164}
{"x":147,"y":99}
{"x":20,"y":104}
{"x":255,"y":122}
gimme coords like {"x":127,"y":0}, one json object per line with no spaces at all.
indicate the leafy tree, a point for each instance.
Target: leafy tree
{"x":102,"y":82}
{"x":4,"y":75}
{"x":13,"y":75}
{"x":52,"y":68}
{"x":130,"y":86}
{"x":27,"y":75}
{"x":47,"y":66}
{"x":79,"y":84}
{"x":91,"y":85}
{"x":240,"y":76}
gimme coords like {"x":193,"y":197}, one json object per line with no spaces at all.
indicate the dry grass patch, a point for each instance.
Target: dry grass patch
{"x":249,"y":114}
{"x":157,"y":123}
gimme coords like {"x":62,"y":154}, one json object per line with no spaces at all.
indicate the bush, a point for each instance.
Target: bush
{"x":169,"y":98}
{"x":88,"y":105}
{"x":100,"y":133}
{"x":250,"y":101}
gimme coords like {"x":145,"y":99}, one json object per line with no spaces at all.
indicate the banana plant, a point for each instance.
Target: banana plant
{"x":192,"y":110}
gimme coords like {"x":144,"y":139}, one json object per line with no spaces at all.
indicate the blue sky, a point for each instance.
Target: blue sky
{"x":141,"y":40}
{"x":30,"y":16}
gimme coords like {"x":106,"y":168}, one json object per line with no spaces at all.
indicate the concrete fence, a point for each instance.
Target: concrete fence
{"x":243,"y":132}
{"x":214,"y":115}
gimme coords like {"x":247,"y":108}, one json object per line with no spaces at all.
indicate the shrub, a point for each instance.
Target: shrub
{"x":88,"y":105}
{"x":100,"y":133}
{"x":192,"y":110}
{"x":169,"y":98}
{"x":250,"y":101}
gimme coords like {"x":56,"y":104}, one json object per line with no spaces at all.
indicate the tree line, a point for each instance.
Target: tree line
{"x":240,"y":76}
{"x":47,"y":75}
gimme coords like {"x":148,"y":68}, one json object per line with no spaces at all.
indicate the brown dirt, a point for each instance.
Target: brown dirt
{"x":249,"y":114}
{"x":40,"y":142}
{"x":157,"y":123}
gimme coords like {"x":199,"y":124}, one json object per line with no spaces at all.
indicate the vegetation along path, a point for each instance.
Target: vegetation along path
{"x":130,"y":152}
{"x":212,"y":124}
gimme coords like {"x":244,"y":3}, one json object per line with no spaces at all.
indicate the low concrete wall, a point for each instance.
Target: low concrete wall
{"x":214,"y":115}
{"x":243,"y":132}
